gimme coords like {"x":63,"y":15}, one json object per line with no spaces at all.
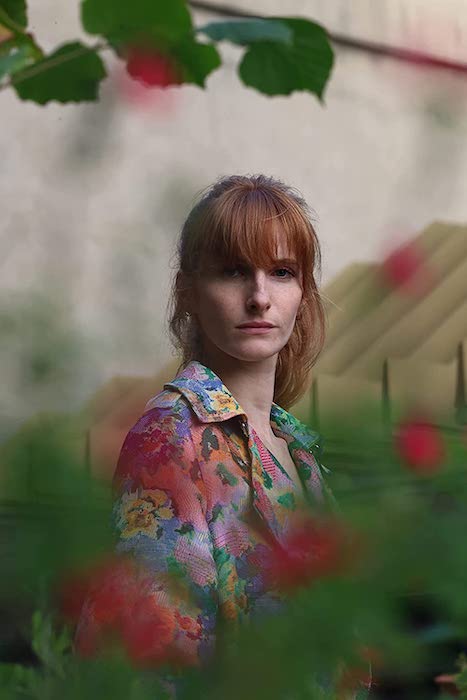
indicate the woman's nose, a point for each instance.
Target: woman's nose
{"x":258,"y":291}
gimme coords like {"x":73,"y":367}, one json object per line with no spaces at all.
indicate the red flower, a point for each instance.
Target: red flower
{"x":113,"y":586}
{"x":405,"y":268}
{"x":420,"y":445}
{"x":315,"y":549}
{"x":151,"y":67}
{"x":96,"y":597}
{"x":148,"y":70}
{"x":147,"y":631}
{"x":104,"y":585}
{"x":71,"y":594}
{"x":119,"y":607}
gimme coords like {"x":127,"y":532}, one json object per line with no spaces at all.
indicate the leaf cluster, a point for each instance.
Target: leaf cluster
{"x":281,"y":54}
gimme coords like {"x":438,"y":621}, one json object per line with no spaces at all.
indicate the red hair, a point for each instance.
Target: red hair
{"x":231,"y":222}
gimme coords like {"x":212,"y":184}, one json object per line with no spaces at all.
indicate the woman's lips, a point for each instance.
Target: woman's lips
{"x":256,"y":330}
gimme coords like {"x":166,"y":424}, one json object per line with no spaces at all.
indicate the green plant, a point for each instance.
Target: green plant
{"x":160,"y":46}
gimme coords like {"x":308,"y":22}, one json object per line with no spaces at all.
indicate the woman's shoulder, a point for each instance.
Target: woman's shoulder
{"x":165,"y":399}
{"x":162,"y":435}
{"x":161,"y":420}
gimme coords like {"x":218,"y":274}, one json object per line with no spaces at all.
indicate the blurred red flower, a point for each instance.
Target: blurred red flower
{"x":147,"y":71}
{"x":113,"y":602}
{"x":316,"y":548}
{"x":71,"y":594}
{"x":105,"y":585}
{"x":406,"y":269}
{"x":420,"y":445}
{"x":151,"y":67}
{"x":147,"y":631}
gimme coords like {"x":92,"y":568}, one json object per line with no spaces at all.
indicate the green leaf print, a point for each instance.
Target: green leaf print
{"x":287,"y":500}
{"x":226,"y":476}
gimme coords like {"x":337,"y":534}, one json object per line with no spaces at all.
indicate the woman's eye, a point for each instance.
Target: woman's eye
{"x":285,"y":269}
{"x":228,"y":270}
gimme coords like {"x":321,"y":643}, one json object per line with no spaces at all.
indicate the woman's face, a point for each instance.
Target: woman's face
{"x":224,"y":298}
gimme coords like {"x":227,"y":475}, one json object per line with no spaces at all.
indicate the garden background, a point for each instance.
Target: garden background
{"x":93,"y":195}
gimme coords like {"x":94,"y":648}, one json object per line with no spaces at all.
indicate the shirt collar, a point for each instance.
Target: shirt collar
{"x":212,"y":401}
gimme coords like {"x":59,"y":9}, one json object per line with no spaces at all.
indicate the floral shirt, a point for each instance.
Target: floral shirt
{"x":194,"y":497}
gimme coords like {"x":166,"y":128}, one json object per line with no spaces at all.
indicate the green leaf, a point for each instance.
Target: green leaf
{"x":16,"y":11}
{"x":123,"y":21}
{"x":72,"y":73}
{"x":17,"y":53}
{"x":275,"y":68}
{"x":195,"y":61}
{"x":247,"y":31}
{"x":49,"y":645}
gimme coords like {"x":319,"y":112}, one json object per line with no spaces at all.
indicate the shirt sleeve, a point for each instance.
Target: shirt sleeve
{"x":159,"y":518}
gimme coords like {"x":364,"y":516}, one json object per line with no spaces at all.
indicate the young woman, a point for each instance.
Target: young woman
{"x":216,"y":469}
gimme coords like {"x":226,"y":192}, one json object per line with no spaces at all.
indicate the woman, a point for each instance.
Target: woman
{"x":215,"y":470}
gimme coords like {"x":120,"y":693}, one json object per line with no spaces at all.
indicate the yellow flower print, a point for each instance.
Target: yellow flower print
{"x":165,"y":513}
{"x":157,"y":496}
{"x":142,"y":514}
{"x":220,"y":399}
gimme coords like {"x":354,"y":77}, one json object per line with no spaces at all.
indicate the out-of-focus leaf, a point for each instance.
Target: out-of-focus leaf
{"x":275,"y":68}
{"x":53,"y":514}
{"x":15,"y":10}
{"x":17,"y":53}
{"x":72,"y":73}
{"x":123,"y":21}
{"x":15,"y":679}
{"x":247,"y":31}
{"x":196,"y":61}
{"x":50,"y":645}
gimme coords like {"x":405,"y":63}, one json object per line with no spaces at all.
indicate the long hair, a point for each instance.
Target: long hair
{"x":231,"y":222}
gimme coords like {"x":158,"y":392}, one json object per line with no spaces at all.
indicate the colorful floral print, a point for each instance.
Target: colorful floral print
{"x":193,"y":501}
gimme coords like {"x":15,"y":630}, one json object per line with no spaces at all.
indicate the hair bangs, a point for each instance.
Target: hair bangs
{"x":250,"y":226}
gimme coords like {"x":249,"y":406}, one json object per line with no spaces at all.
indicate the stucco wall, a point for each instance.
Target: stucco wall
{"x":92,"y":196}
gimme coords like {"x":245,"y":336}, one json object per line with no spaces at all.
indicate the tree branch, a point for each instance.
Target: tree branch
{"x":399,"y":54}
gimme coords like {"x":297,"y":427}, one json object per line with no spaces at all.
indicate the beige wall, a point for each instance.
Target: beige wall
{"x":92,"y":196}
{"x":426,"y":25}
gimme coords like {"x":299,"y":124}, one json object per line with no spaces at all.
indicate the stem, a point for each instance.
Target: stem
{"x":11,"y":24}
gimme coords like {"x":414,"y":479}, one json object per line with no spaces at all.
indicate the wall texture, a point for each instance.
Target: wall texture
{"x":93,"y":196}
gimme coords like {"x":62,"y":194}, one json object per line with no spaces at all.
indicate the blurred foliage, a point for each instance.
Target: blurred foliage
{"x":16,"y":10}
{"x":411,"y":556}
{"x":282,"y":54}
